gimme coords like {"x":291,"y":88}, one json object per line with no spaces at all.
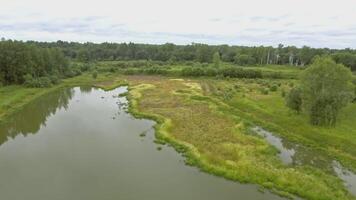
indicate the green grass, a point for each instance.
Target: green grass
{"x":196,"y":118}
{"x":270,"y":111}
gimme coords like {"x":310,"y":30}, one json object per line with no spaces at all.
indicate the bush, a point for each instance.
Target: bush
{"x":54,"y":79}
{"x":41,"y":82}
{"x":283,"y":93}
{"x":264,"y":91}
{"x":69,"y":73}
{"x":95,"y":74}
{"x":273,"y":88}
{"x":77,"y":72}
{"x":85,"y":67}
{"x":112,"y":70}
{"x":294,"y":99}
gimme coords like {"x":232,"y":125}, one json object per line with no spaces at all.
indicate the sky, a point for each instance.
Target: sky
{"x":316,"y":23}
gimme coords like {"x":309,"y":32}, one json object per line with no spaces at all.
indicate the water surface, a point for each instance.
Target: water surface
{"x":294,"y":154}
{"x":80,"y":143}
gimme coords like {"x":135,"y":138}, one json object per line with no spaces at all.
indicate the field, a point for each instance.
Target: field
{"x":209,"y":120}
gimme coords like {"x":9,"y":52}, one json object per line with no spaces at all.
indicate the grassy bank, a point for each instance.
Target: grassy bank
{"x":208,"y":126}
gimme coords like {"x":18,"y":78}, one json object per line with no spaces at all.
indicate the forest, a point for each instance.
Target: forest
{"x":240,"y":55}
{"x":40,"y":64}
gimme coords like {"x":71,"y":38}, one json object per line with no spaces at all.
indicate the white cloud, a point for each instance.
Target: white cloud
{"x":293,"y":22}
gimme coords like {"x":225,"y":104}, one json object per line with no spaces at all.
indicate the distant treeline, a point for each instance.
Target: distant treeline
{"x":26,"y":63}
{"x":40,"y":64}
{"x":240,"y":55}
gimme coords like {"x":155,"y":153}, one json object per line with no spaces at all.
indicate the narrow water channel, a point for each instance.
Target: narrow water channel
{"x":295,"y":154}
{"x":80,"y":143}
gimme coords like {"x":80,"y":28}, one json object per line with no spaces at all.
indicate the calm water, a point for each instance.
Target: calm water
{"x":294,"y":154}
{"x":80,"y":144}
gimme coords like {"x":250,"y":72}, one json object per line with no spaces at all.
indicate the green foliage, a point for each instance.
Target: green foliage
{"x":273,"y":88}
{"x":264,"y":91}
{"x":18,"y":59}
{"x":326,"y":89}
{"x":54,"y":79}
{"x":244,"y":60}
{"x":231,"y":72}
{"x":283,"y":93}
{"x":346,"y":58}
{"x":281,"y":55}
{"x":216,"y":59}
{"x":41,"y":82}
{"x":354,"y":100}
{"x":294,"y":99}
{"x":95,"y":74}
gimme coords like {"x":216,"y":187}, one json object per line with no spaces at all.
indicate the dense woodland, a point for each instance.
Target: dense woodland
{"x":40,"y":64}
{"x":241,"y":55}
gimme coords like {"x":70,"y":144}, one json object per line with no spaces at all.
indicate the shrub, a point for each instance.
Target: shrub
{"x":69,"y":73}
{"x":264,"y":91}
{"x":95,"y":74}
{"x":29,"y":81}
{"x":85,"y":67}
{"x":112,"y":70}
{"x":54,"y":79}
{"x":41,"y":82}
{"x":294,"y":99}
{"x":273,"y":88}
{"x":210,"y":71}
{"x":44,"y":82}
{"x":283,"y":93}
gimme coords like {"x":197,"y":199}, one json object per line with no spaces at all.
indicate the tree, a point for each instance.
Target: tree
{"x":347,"y":59}
{"x":294,"y":99}
{"x":216,"y":59}
{"x":327,"y":87}
{"x":244,"y":59}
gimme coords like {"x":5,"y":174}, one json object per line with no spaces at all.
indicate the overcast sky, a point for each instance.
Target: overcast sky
{"x":317,"y":23}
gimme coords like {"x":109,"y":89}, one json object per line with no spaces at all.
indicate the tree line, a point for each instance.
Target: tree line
{"x":240,"y":55}
{"x":39,"y":64}
{"x":29,"y":64}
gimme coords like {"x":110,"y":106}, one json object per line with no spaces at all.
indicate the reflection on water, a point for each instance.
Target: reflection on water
{"x":286,"y":152}
{"x":34,"y":115}
{"x":82,"y":144}
{"x":294,"y":154}
{"x":347,"y":176}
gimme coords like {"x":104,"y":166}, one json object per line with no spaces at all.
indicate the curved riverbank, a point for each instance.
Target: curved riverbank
{"x":172,"y":101}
